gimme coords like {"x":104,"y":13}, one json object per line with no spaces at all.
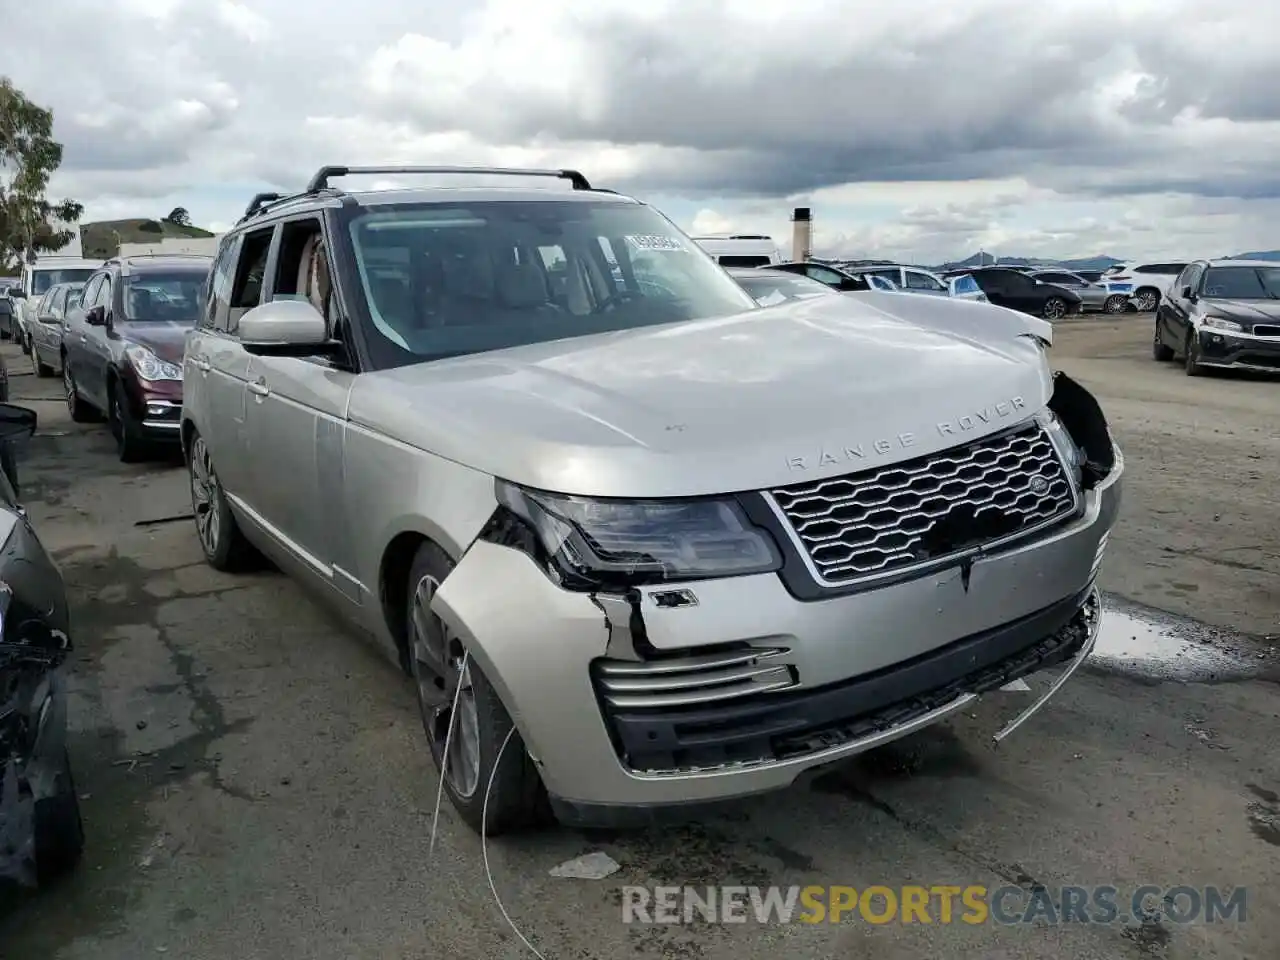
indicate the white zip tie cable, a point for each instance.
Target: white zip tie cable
{"x":484,"y":810}
{"x":444,"y":758}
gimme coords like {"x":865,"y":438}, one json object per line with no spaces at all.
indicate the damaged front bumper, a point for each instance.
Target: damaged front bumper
{"x":737,"y":687}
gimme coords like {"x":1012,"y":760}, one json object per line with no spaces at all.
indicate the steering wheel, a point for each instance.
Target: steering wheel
{"x":617,"y":298}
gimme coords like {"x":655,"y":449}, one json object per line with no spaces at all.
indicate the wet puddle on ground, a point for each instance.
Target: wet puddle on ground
{"x":1151,"y":644}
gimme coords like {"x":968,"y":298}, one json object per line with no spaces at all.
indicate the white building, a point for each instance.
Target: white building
{"x":206,"y":246}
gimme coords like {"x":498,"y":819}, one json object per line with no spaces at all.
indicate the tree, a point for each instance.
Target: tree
{"x":29,"y":222}
{"x":179,"y":216}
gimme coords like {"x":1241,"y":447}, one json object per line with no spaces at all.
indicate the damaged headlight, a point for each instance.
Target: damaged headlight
{"x":644,"y":540}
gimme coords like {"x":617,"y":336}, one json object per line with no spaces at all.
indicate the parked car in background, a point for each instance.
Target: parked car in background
{"x":1093,"y":296}
{"x":41,"y":833}
{"x":8,"y":311}
{"x":1151,"y":282}
{"x":46,"y":328}
{"x":741,"y":249}
{"x":1221,"y":314}
{"x":680,"y":497}
{"x":833,"y":277}
{"x":122,"y":348}
{"x":1017,"y":291}
{"x":881,"y":283}
{"x":964,"y":287}
{"x":1092,"y":276}
{"x":771,"y":287}
{"x":38,"y":277}
{"x":910,"y":279}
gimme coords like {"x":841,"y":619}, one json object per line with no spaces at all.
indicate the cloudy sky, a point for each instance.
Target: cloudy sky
{"x":921,"y":129}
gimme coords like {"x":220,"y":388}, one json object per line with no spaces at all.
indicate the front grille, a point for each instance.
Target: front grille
{"x":885,"y":521}
{"x":1266,"y":330}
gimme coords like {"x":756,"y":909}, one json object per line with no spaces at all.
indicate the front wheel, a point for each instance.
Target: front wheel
{"x":58,"y":829}
{"x":465,"y":720}
{"x":225,"y":546}
{"x":38,"y":366}
{"x":130,"y":443}
{"x":1192,"y":356}
{"x":1055,"y":308}
{"x":1116,"y":303}
{"x":81,"y":411}
{"x":24,"y":343}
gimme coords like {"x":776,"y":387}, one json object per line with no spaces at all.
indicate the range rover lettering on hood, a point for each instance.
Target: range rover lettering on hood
{"x":883,"y":446}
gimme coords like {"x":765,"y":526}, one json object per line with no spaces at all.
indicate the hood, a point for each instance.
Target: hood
{"x":1244,"y":311}
{"x":800,"y":391}
{"x":162,"y":338}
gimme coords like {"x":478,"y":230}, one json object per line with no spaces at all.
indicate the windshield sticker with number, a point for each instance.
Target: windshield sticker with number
{"x":652,"y":242}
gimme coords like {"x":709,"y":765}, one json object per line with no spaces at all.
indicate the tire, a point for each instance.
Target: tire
{"x":59,"y":830}
{"x":1055,"y":308}
{"x":224,"y":544}
{"x":1146,"y":299}
{"x":1115,"y":304}
{"x":517,"y":799}
{"x":131,"y":445}
{"x":24,"y":343}
{"x":1159,"y":351}
{"x":39,"y":367}
{"x":1191,"y":356}
{"x":80,"y":409}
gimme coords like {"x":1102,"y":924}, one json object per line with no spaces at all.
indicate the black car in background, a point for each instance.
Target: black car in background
{"x":1010,"y":288}
{"x":832,"y":277}
{"x":41,"y":833}
{"x":1221,"y":314}
{"x":122,"y":348}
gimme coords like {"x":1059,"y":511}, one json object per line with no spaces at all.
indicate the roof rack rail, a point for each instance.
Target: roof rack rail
{"x":321,"y":179}
{"x":259,"y":201}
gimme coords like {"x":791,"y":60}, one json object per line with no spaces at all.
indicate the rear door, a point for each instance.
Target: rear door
{"x":75,"y":337}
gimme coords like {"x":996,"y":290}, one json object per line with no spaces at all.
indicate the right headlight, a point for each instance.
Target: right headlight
{"x":1218,"y":323}
{"x":644,"y":541}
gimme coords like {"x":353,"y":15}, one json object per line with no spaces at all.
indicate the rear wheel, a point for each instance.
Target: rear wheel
{"x":1116,"y":303}
{"x":1147,"y":299}
{"x":465,"y":720}
{"x":38,"y":366}
{"x":1055,"y":308}
{"x":224,"y":545}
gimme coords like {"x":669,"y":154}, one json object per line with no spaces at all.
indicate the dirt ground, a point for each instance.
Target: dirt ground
{"x":256,"y":785}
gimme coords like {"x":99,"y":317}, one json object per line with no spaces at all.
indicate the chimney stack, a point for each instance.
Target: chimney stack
{"x":801,"y":234}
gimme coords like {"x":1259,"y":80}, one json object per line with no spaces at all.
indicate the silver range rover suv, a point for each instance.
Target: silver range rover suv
{"x":639,"y":542}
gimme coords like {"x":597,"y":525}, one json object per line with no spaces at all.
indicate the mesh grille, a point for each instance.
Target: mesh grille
{"x":880,"y":522}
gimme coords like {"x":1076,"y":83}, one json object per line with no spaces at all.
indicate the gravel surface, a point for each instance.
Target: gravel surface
{"x":256,"y":784}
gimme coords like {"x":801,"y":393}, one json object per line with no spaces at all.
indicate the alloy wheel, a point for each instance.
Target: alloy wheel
{"x":1147,"y":301}
{"x":1054,"y":309}
{"x":455,"y":730}
{"x":69,"y":385}
{"x":206,"y":496}
{"x":1115,"y":304}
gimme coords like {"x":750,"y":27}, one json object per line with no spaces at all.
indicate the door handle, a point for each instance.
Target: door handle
{"x":259,"y":388}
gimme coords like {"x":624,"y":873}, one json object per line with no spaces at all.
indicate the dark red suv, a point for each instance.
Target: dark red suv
{"x":122,"y":348}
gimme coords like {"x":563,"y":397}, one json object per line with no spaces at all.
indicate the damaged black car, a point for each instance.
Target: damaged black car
{"x":41,"y":833}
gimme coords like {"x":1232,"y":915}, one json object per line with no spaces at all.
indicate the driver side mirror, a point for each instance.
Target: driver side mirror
{"x":96,"y":316}
{"x":17,"y":293}
{"x":1188,"y":293}
{"x":286,"y":328}
{"x":16,"y":425}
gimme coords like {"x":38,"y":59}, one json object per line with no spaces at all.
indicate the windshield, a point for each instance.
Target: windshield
{"x":770,"y":289}
{"x":173,"y":296}
{"x":42,"y":280}
{"x":443,"y":280}
{"x":1242,"y":283}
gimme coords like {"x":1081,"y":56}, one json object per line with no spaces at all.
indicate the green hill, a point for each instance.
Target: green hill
{"x":102,"y":239}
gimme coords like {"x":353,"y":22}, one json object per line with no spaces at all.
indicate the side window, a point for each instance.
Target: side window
{"x":302,"y":269}
{"x":42,"y":308}
{"x":103,"y":299}
{"x":922,"y":281}
{"x":250,"y":275}
{"x":823,"y":275}
{"x":1191,"y":278}
{"x":57,"y":303}
{"x":1018,"y":282}
{"x":1170,"y":269}
{"x":89,"y":297}
{"x":1061,"y":278}
{"x":218,"y":288}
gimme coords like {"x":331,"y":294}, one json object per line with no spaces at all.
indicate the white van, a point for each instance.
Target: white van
{"x":741,"y":249}
{"x":38,"y":277}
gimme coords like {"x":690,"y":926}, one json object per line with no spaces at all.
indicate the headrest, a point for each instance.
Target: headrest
{"x":522,"y":285}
